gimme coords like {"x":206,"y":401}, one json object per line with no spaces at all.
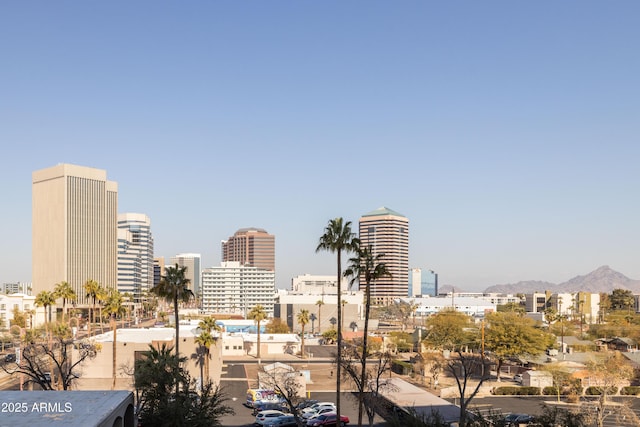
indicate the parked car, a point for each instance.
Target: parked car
{"x":518,"y":378}
{"x":10,"y":358}
{"x":329,"y":419}
{"x":515,"y":420}
{"x":267,"y":416}
{"x":317,"y":405}
{"x":283,"y":421}
{"x":305,"y":404}
{"x":321,"y":410}
{"x":264,"y":405}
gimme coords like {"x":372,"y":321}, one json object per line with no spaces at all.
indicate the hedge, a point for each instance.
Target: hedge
{"x":632,"y":390}
{"x":516,"y":391}
{"x":564,"y":391}
{"x":597,"y":391}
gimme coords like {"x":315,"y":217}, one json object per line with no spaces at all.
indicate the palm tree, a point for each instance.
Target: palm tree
{"x":65,"y":291}
{"x":338,"y":237}
{"x":257,"y":314}
{"x":319,"y":303}
{"x":174,"y":288}
{"x":367,"y":267}
{"x":45,"y":299}
{"x":206,"y":340}
{"x":303,"y":320}
{"x":102,"y":296}
{"x":114,"y":307}
{"x":92,"y":288}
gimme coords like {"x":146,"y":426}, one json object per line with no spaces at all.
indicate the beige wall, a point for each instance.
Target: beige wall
{"x":97,"y":373}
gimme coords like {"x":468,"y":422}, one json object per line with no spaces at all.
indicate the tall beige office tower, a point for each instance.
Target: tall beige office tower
{"x":387,"y":232}
{"x":251,"y":247}
{"x":74,"y":228}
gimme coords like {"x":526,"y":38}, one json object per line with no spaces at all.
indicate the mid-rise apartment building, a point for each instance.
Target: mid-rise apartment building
{"x":234,"y":288}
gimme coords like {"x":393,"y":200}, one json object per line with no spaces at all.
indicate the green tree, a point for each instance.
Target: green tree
{"x":64,"y":291}
{"x":277,"y":326}
{"x":155,"y":374}
{"x":365,"y":268}
{"x":621,"y":299}
{"x":45,"y":299}
{"x":257,"y":314}
{"x":449,"y":330}
{"x":337,"y":238}
{"x":114,"y":307}
{"x":92,"y":289}
{"x":174,"y":288}
{"x":19,"y":318}
{"x":303,"y":320}
{"x":511,"y":306}
{"x":320,"y":303}
{"x":512,"y":335}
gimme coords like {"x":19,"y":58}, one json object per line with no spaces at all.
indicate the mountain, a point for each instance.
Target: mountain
{"x":603,"y":279}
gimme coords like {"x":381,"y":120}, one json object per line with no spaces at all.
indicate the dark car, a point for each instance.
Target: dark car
{"x":10,"y":358}
{"x":261,"y":405}
{"x":517,"y":419}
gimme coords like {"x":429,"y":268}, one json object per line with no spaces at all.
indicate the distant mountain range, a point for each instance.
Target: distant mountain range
{"x":604,"y":279}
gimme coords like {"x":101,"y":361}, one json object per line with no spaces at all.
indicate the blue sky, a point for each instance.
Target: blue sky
{"x":507,"y":132}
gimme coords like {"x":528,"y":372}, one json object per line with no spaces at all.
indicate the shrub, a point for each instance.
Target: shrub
{"x":597,"y":391}
{"x":516,"y":391}
{"x":630,"y":390}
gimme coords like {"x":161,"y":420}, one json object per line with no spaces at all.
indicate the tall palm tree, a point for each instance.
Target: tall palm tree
{"x":319,"y":303}
{"x":365,"y":267}
{"x":102,"y":296}
{"x":92,"y":288}
{"x":65,"y":291}
{"x":114,"y":307}
{"x":174,"y":288}
{"x":257,"y":314}
{"x":338,"y":237}
{"x":206,"y":339}
{"x":45,"y":299}
{"x":303,"y":320}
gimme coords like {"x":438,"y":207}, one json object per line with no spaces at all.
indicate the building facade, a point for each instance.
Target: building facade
{"x":233,"y":288}
{"x":387,"y":232}
{"x":251,"y":246}
{"x":423,"y":283}
{"x":318,"y":285}
{"x":193,"y":273}
{"x":135,"y":254}
{"x":74,"y":228}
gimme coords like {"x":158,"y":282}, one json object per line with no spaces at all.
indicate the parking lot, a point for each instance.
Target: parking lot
{"x":235,"y":384}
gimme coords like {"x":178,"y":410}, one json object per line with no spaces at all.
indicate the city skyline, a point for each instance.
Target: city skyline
{"x":506,"y":132}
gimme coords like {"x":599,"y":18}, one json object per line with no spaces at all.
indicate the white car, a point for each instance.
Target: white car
{"x":319,"y":411}
{"x":315,"y":406}
{"x":264,"y":417}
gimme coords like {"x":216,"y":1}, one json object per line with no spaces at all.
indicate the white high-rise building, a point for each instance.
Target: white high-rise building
{"x":74,"y":228}
{"x":235,"y":288}
{"x":135,"y":254}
